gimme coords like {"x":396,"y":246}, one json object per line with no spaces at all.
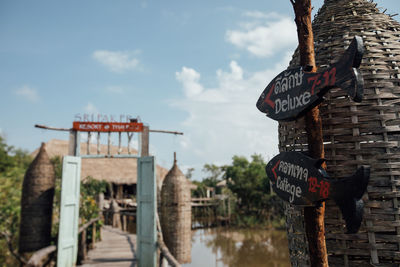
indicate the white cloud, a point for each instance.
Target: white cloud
{"x":224,"y":121}
{"x":28,"y":93}
{"x":190,"y":81}
{"x":264,"y":34}
{"x":91,"y":109}
{"x":117,"y":61}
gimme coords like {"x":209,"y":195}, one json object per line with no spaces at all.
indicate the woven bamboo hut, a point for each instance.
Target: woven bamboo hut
{"x":37,"y":204}
{"x":355,"y":134}
{"x":176,"y":214}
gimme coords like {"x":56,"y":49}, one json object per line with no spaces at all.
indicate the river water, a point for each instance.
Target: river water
{"x":218,"y":247}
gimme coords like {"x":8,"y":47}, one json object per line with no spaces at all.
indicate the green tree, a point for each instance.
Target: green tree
{"x":13,"y":164}
{"x":249,"y":182}
{"x":214,"y":174}
{"x":189,"y":173}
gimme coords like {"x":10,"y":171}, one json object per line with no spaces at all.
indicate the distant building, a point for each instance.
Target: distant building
{"x":120,"y":172}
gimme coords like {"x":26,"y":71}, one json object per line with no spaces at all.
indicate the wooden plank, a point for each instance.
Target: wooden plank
{"x":117,"y":249}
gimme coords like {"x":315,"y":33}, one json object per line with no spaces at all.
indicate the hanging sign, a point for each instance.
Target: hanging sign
{"x":107,"y":126}
{"x":294,"y":92}
{"x":300,"y":180}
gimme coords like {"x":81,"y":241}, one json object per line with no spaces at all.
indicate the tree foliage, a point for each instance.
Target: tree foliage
{"x":189,"y":173}
{"x":214,"y":174}
{"x":251,"y":185}
{"x":247,"y":181}
{"x":13,"y":164}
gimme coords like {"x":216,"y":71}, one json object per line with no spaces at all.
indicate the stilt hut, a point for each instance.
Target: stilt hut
{"x":176,"y":214}
{"x":37,"y":204}
{"x":121,"y":173}
{"x":355,"y":134}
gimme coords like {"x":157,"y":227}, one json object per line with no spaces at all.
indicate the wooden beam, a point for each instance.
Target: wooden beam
{"x":145,"y":142}
{"x":52,"y":128}
{"x":163,"y":131}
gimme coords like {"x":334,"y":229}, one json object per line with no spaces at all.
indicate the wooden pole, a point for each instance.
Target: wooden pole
{"x":313,"y":216}
{"x":145,"y":141}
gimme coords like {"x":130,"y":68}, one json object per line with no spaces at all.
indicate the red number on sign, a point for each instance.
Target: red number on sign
{"x":324,"y":189}
{"x":326,"y":78}
{"x":316,"y":82}
{"x":329,"y":79}
{"x":332,"y":75}
{"x":313,"y":184}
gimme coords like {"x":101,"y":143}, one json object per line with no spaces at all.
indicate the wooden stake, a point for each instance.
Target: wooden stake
{"x":313,"y":216}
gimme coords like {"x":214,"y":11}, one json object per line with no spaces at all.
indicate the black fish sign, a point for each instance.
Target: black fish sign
{"x":302,"y":181}
{"x":294,"y":92}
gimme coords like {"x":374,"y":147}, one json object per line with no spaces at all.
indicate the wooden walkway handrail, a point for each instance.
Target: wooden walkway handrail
{"x":164,"y":249}
{"x":166,"y":254}
{"x":82,"y":243}
{"x":36,"y":260}
{"x":86,"y":225}
{"x":203,"y":199}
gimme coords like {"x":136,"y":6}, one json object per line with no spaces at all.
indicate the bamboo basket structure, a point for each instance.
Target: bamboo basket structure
{"x":356,"y":134}
{"x":37,"y":204}
{"x":176,"y":214}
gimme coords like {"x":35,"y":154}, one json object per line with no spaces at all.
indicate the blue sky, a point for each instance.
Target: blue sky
{"x":191,"y":66}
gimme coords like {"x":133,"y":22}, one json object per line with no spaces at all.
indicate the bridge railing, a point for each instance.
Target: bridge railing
{"x":43,"y":256}
{"x":84,"y":242}
{"x":164,"y":251}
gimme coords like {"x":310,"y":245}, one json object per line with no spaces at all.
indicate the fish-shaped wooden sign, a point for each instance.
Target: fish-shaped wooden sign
{"x":302,"y":181}
{"x":294,"y":92}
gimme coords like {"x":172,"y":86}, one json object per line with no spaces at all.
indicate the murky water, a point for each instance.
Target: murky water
{"x":227,"y":247}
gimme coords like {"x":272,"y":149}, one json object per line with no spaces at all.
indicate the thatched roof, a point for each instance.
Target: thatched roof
{"x":118,"y":171}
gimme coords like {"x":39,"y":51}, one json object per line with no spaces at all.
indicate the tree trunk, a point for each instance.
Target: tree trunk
{"x":313,"y":216}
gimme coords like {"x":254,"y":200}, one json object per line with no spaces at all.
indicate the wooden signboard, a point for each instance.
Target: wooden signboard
{"x":107,"y":126}
{"x":300,"y":180}
{"x":294,"y":92}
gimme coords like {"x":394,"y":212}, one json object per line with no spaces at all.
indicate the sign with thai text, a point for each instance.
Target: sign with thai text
{"x":294,"y":92}
{"x":300,"y":180}
{"x":107,"y":126}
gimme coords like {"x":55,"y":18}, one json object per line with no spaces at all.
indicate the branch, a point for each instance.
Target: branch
{"x":19,"y":257}
{"x":51,"y":128}
{"x":39,"y":256}
{"x":163,"y":131}
{"x":164,"y":249}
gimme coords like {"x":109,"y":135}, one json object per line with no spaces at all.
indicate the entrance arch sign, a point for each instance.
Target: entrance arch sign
{"x":107,"y":126}
{"x":147,"y":204}
{"x":146,"y":226}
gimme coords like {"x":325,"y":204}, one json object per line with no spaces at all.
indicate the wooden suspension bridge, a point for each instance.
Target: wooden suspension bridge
{"x":116,"y":247}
